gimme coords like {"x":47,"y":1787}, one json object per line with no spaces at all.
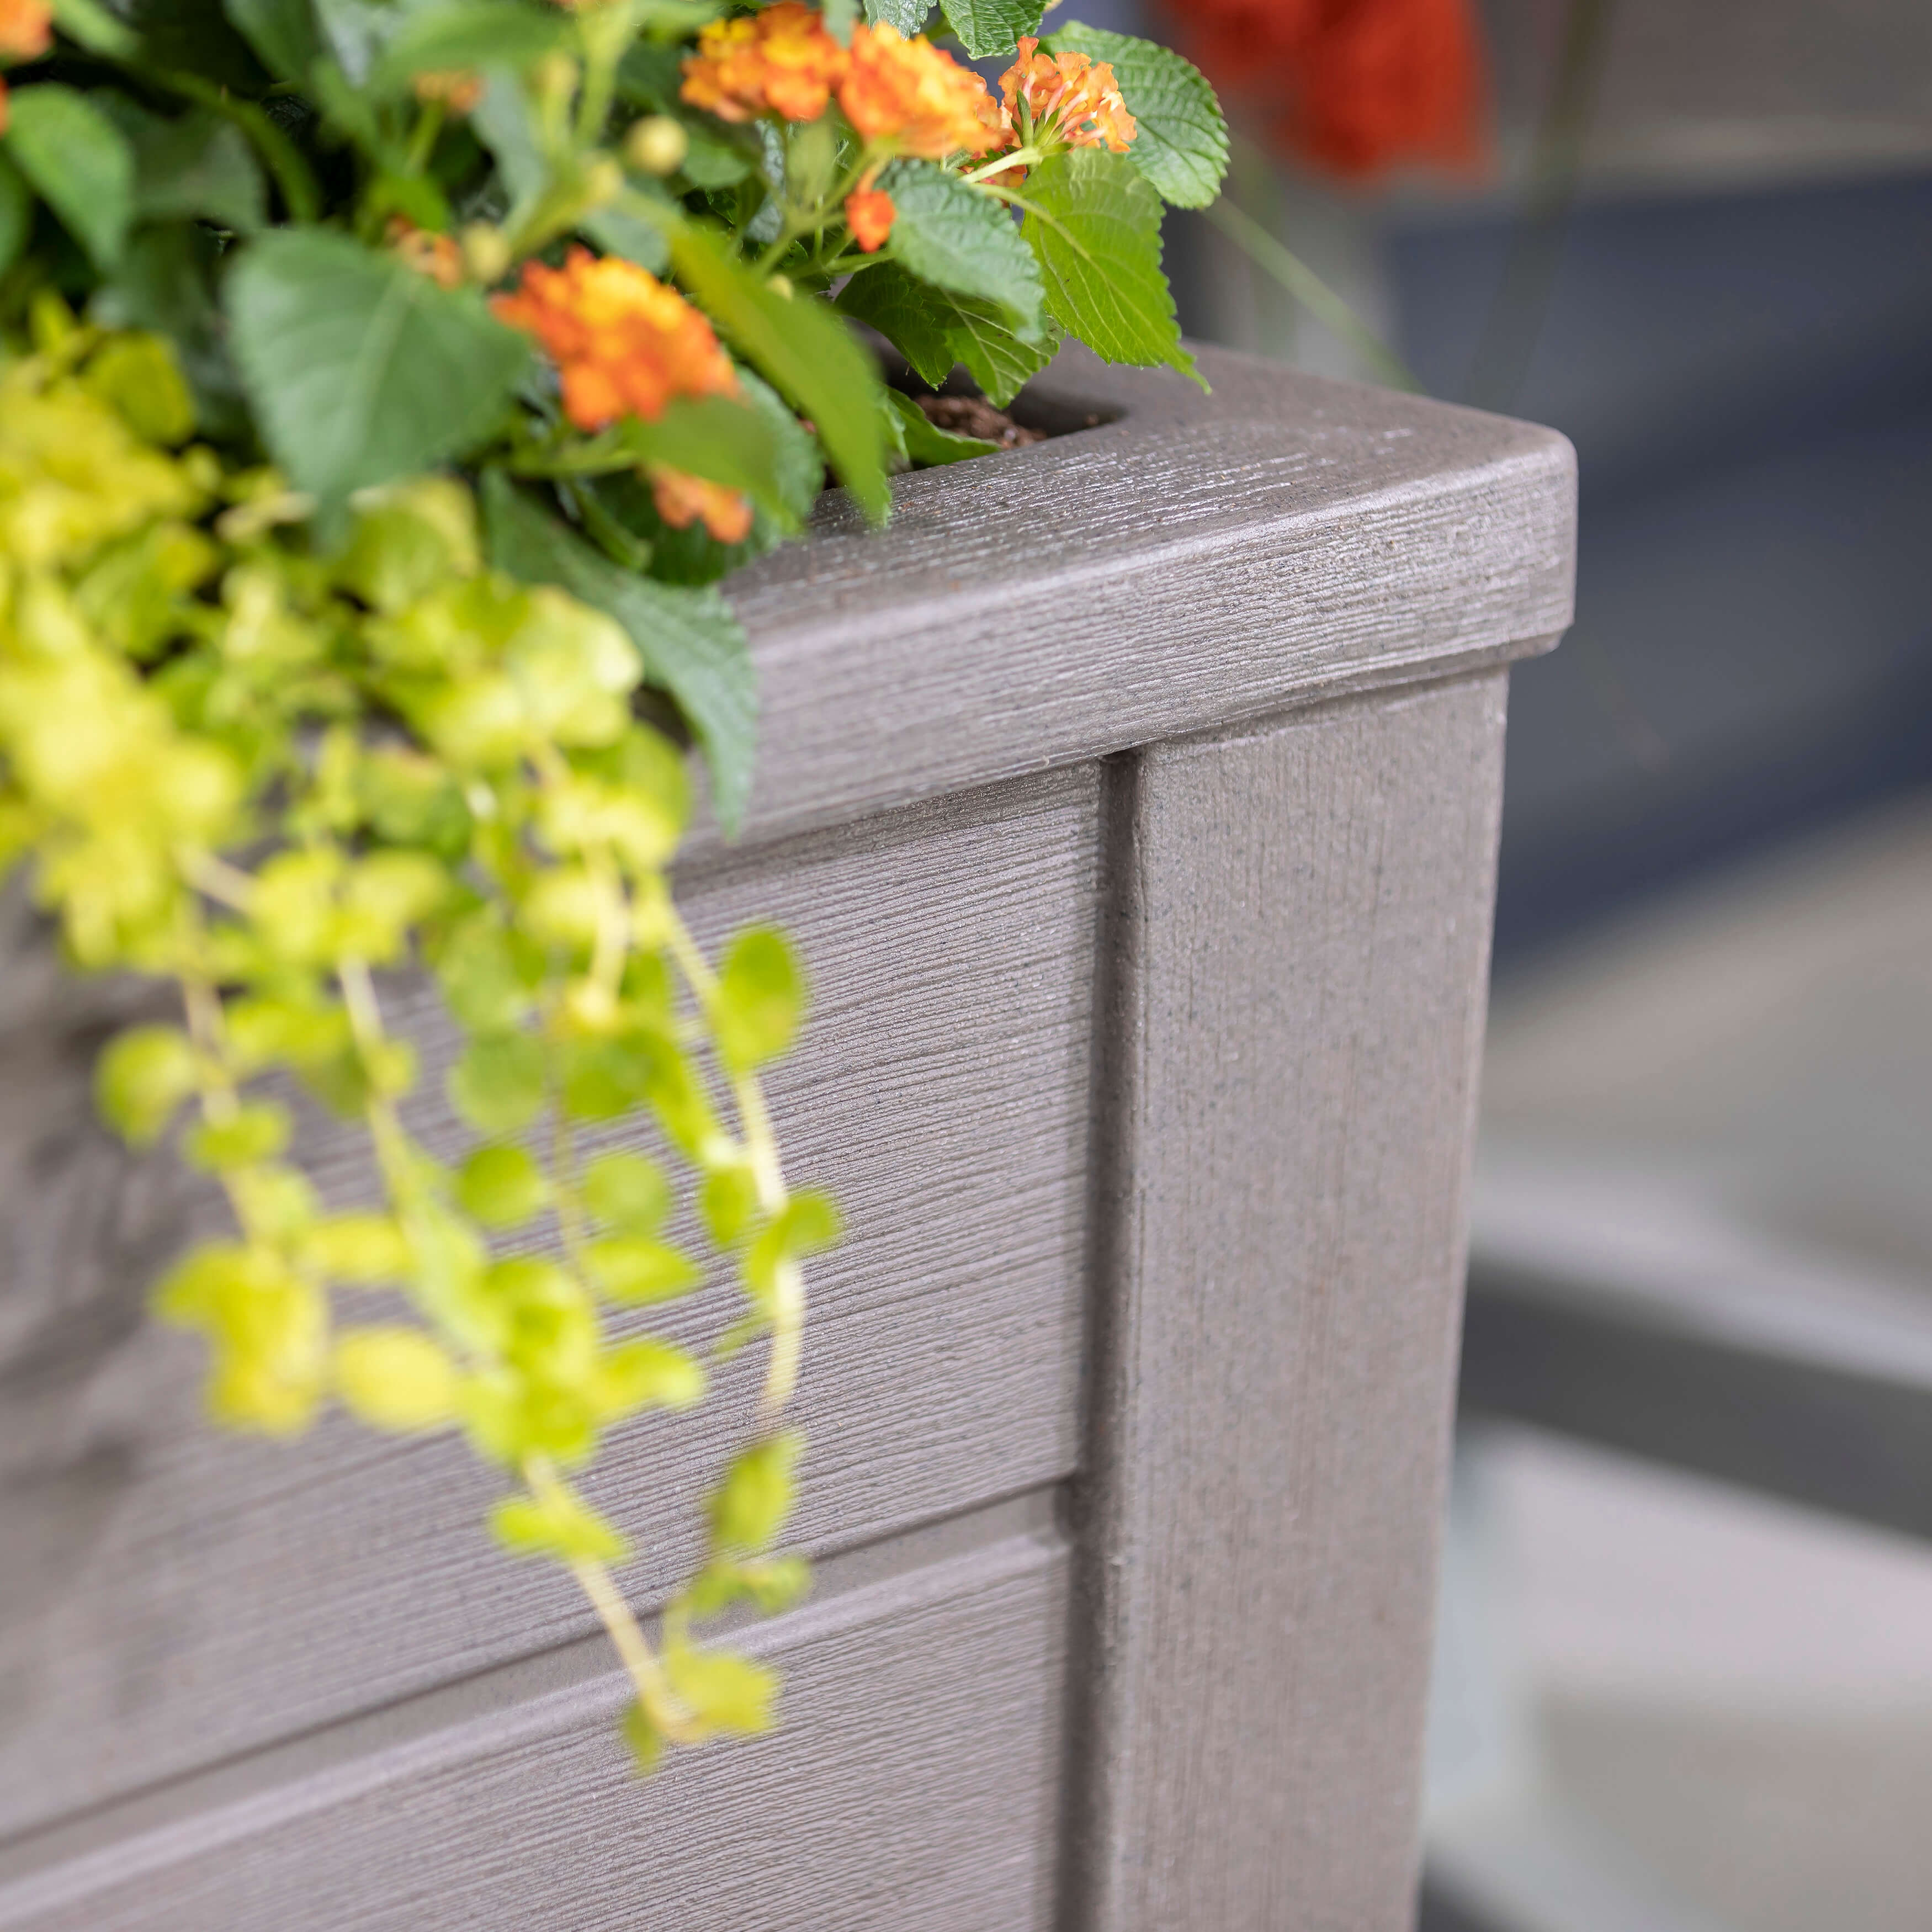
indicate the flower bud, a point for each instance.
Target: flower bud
{"x":603,"y":182}
{"x":555,"y":78}
{"x":779,"y":285}
{"x":486,"y":254}
{"x":656,"y":145}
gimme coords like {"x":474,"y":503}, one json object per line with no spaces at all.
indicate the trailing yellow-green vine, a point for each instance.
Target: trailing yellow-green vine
{"x":281,"y":780}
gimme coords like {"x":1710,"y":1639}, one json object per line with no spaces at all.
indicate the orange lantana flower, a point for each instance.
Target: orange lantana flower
{"x":436,"y":256}
{"x":780,"y":61}
{"x":1063,"y":100}
{"x":908,"y":95}
{"x":683,"y":499}
{"x":623,"y":342}
{"x":26,"y":29}
{"x":459,"y":89}
{"x":869,"y":213}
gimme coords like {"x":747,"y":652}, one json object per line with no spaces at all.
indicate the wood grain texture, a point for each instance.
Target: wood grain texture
{"x":170,"y":1596}
{"x":1301,"y":923}
{"x":912,"y":1787}
{"x":1197,"y":560}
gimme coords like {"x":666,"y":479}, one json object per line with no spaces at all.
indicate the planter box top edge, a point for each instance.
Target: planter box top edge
{"x":1193,"y":561}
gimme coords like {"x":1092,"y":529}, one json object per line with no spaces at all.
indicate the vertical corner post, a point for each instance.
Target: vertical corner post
{"x":1294,"y":958}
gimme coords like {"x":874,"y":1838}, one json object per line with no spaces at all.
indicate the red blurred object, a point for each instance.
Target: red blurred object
{"x":1354,"y":85}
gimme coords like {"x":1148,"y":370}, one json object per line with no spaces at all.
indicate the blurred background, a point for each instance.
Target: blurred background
{"x":1685,"y":1673}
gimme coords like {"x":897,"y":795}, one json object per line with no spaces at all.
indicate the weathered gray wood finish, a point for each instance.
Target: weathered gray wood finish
{"x":1302,"y":922}
{"x":1147,"y":962}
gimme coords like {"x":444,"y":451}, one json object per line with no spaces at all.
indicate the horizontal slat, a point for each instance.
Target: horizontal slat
{"x":170,"y":1596}
{"x":911,"y":1785}
{"x":1199,"y":560}
{"x":1603,"y":1308}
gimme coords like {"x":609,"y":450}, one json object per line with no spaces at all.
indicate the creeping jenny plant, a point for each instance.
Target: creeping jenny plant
{"x":383,"y":388}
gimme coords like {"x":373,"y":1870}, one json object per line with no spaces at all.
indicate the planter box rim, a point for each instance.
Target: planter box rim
{"x":1196,"y":561}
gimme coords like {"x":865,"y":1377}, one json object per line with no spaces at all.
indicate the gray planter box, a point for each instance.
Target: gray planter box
{"x":1134,"y":799}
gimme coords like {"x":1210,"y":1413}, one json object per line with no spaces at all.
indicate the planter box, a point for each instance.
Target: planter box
{"x":1134,"y":800}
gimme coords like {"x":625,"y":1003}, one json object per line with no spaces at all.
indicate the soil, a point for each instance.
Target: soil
{"x":973,"y":415}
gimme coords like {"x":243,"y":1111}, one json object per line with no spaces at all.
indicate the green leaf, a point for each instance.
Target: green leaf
{"x":645,"y":1740}
{"x":645,"y":1374}
{"x":956,"y":236}
{"x":805,"y":352}
{"x":468,"y":34}
{"x":16,"y":213}
{"x":775,"y":1583}
{"x":395,"y":1378}
{"x":256,"y":1131}
{"x":691,"y":644}
{"x":713,"y":160}
{"x":749,"y":1506}
{"x":498,"y":1085}
{"x":627,"y":1191}
{"x":604,"y":1078}
{"x":989,"y":29}
{"x":928,"y":446}
{"x":88,"y":24}
{"x":360,"y":1248}
{"x":719,"y":438}
{"x":200,"y":166}
{"x":190,"y":36}
{"x":137,"y":376}
{"x":1181,"y":140}
{"x":910,"y":16}
{"x":283,"y":33}
{"x":617,"y":232}
{"x":691,"y":555}
{"x":501,"y":1186}
{"x":557,"y":1525}
{"x":163,"y":284}
{"x":81,"y":162}
{"x":807,"y":1224}
{"x":728,"y":1200}
{"x":678,"y":1098}
{"x":1093,"y":220}
{"x":934,"y":329}
{"x":360,"y":369}
{"x":144,"y":1075}
{"x":722,"y":1690}
{"x":353,"y":31}
{"x":501,"y":119}
{"x":638,"y":1270}
{"x":650,"y":74}
{"x":760,"y":999}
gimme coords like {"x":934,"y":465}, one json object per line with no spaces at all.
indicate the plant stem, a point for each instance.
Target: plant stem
{"x":1294,"y":275}
{"x":626,"y":1634}
{"x":1014,"y":157}
{"x":767,"y":1176}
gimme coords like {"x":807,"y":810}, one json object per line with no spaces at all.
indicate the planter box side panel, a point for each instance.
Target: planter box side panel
{"x":172,"y":1595}
{"x":912,"y":1788}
